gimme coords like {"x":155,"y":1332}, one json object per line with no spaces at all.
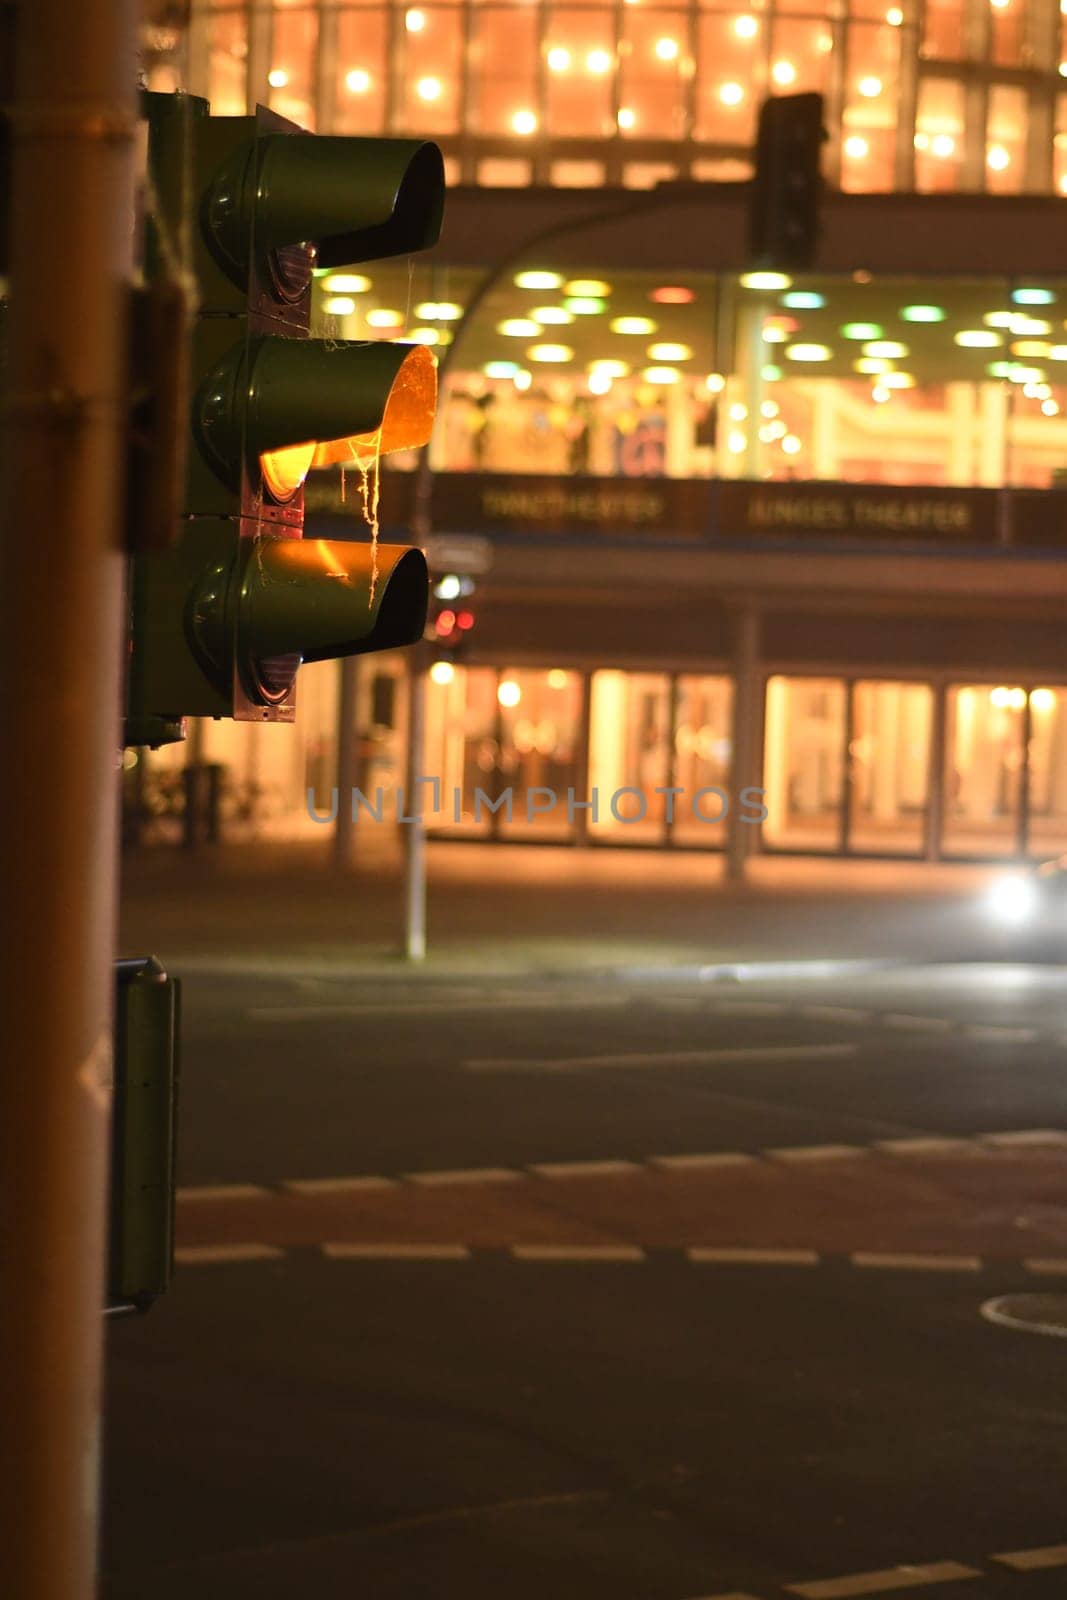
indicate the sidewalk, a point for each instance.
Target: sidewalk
{"x":514,"y":909}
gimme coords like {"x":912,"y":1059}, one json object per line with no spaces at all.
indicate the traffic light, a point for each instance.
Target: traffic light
{"x":221,"y":619}
{"x":784,"y":210}
{"x":452,"y":615}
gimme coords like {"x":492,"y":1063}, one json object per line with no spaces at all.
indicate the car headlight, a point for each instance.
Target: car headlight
{"x":1012,"y":900}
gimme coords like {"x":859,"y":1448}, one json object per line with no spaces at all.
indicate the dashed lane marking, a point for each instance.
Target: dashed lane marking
{"x":887,"y":1581}
{"x":664,"y":1058}
{"x":1025,"y":1138}
{"x":346,"y":1251}
{"x":708,"y":1254}
{"x":704,"y":1163}
{"x":749,"y":1008}
{"x":856,"y":1014}
{"x":223,"y":1191}
{"x":1046,"y":1266}
{"x":201,"y":1255}
{"x":459,"y":1175}
{"x":915,"y":1262}
{"x":585,"y":1169}
{"x":816,"y":1152}
{"x":1052,"y":1140}
{"x":916,"y":1023}
{"x":992,"y":1033}
{"x":1053,"y":1555}
{"x":694,"y":1255}
{"x":927,"y":1147}
{"x":577,"y":1252}
{"x":361,"y":1185}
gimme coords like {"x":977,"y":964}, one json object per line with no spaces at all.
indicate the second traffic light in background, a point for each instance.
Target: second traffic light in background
{"x":245,"y":207}
{"x":452,"y":615}
{"x":786,"y":189}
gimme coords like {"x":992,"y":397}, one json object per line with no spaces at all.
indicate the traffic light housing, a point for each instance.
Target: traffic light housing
{"x":246,"y":207}
{"x":786,"y":189}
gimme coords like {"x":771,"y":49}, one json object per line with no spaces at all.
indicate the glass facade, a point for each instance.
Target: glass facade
{"x":860,"y":379}
{"x":890,"y":380}
{"x":950,"y":94}
{"x":857,"y":766}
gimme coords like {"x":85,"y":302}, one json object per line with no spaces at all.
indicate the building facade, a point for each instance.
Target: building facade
{"x":722,"y":530}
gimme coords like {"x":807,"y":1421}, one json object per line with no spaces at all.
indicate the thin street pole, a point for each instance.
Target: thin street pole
{"x":61,"y":635}
{"x":347,"y":764}
{"x":413,"y":829}
{"x":740,"y":840}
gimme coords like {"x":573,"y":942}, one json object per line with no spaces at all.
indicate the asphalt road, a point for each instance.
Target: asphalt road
{"x":644,"y":1286}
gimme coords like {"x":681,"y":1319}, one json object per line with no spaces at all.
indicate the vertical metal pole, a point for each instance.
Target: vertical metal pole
{"x":674,"y":702}
{"x":414,"y":831}
{"x":746,"y":741}
{"x":844,"y":826}
{"x":347,"y":764}
{"x":937,"y":773}
{"x":61,"y":572}
{"x":1022,"y":826}
{"x":580,"y":835}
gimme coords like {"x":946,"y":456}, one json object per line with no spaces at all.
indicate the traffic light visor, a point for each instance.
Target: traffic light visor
{"x":295,"y":405}
{"x":323,"y":598}
{"x":407,"y":419}
{"x":353,"y":199}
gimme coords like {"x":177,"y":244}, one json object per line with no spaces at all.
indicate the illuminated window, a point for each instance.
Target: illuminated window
{"x":359,"y":101}
{"x":939,"y":135}
{"x":629,"y":748}
{"x":578,"y":102}
{"x":804,"y":763}
{"x":291,"y":78}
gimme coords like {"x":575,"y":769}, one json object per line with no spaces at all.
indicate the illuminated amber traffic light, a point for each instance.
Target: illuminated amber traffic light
{"x":221,"y":620}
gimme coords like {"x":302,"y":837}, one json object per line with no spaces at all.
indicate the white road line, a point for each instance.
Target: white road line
{"x":400,"y":1009}
{"x":920,"y":1263}
{"x":1046,"y":1266}
{"x":699,"y":1254}
{"x":395,"y":1252}
{"x":916,"y":1023}
{"x":431,"y":1180}
{"x":665,"y":1058}
{"x":1053,"y":1555}
{"x":702,"y":1163}
{"x":583,"y":1169}
{"x":192,"y":1255}
{"x":885,"y":1582}
{"x":749,"y":1008}
{"x":313,"y":1186}
{"x":927,"y":1147}
{"x":816,"y":1152}
{"x":837,"y":1013}
{"x":1024,"y":1139}
{"x":577,"y":1252}
{"x":733,"y":1595}
{"x":1004,"y":1312}
{"x":994,"y":1034}
{"x":223,"y":1191}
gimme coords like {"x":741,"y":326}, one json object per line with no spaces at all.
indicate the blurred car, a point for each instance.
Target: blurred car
{"x":1025,"y":908}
